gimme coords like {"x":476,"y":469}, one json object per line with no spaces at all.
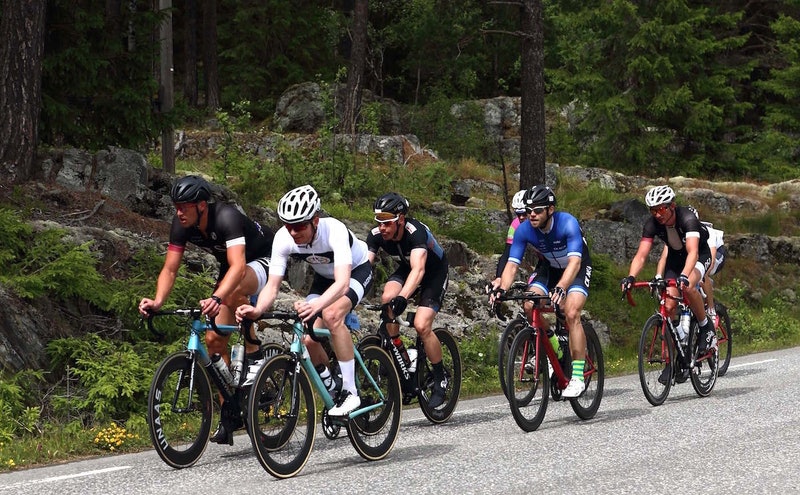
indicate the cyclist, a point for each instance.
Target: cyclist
{"x":518,"y":205}
{"x":423,"y":266}
{"x":557,"y":236}
{"x":718,"y":252}
{"x":342,"y":275}
{"x":688,"y":256}
{"x":242,"y":248}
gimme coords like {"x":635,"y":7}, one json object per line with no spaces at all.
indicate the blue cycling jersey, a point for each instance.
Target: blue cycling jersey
{"x":565,"y":239}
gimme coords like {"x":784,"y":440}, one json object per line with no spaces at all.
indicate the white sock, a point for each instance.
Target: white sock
{"x":349,"y":376}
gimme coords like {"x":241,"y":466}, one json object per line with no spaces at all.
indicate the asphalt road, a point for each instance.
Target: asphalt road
{"x":744,"y":438}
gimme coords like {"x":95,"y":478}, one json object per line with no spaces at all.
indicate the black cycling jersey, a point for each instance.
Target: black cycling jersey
{"x":675,"y":237}
{"x":417,"y":235}
{"x":227,"y":226}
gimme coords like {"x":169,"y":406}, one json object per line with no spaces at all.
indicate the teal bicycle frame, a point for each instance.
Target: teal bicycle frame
{"x":298,"y":349}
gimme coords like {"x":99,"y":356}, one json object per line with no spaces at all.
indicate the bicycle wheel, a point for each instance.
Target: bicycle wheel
{"x":374,"y":432}
{"x":272,"y":349}
{"x":656,"y":357}
{"x":282,"y":415}
{"x":179,"y":410}
{"x":451,"y":359}
{"x":704,"y":374}
{"x":724,"y":339}
{"x":586,"y":405}
{"x":528,"y":380}
{"x":506,"y":339}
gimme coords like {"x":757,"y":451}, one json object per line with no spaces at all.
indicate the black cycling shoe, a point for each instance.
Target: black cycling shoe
{"x":708,"y":338}
{"x":666,"y":375}
{"x":438,"y":393}
{"x":222,"y":436}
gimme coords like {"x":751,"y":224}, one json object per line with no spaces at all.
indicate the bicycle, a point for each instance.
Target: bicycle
{"x":507,"y":337}
{"x":529,"y":381}
{"x":722,"y":325}
{"x":664,"y":358}
{"x":180,"y":405}
{"x":416,"y":376}
{"x":281,"y":408}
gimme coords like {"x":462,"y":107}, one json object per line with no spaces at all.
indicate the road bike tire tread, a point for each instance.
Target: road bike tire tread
{"x":280,"y":446}
{"x":374,"y":433}
{"x":451,"y":356}
{"x":527,"y":416}
{"x":656,"y":350}
{"x":506,"y":338}
{"x":181,"y":451}
{"x":587,"y":404}
{"x":724,"y":339}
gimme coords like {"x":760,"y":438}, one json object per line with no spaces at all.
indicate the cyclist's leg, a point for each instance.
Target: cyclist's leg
{"x":255,"y":278}
{"x":577,"y":294}
{"x":333,"y":317}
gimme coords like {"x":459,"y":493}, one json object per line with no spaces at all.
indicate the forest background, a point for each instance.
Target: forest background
{"x":657,"y":89}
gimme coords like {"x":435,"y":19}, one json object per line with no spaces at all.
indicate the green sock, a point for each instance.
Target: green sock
{"x":577,"y":368}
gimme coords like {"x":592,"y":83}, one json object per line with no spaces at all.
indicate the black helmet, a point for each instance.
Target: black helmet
{"x":190,"y":189}
{"x":540,"y":196}
{"x":391,"y":203}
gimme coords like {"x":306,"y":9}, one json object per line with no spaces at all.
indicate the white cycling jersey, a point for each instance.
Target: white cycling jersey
{"x":714,"y":236}
{"x":333,"y":245}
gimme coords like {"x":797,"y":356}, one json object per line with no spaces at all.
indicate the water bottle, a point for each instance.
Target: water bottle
{"x":412,"y":356}
{"x":237,"y":362}
{"x":221,"y":369}
{"x":555,"y":343}
{"x":401,"y":348}
{"x":684,"y":325}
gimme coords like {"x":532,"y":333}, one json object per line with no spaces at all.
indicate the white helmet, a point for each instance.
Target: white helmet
{"x":518,"y":201}
{"x":659,"y":195}
{"x":298,"y":205}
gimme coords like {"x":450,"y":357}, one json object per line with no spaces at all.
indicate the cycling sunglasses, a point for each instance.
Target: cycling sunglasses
{"x":384,"y":217}
{"x":538,"y":210}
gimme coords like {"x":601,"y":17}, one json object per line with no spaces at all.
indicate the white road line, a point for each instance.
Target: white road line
{"x":64,"y":477}
{"x":751,"y":364}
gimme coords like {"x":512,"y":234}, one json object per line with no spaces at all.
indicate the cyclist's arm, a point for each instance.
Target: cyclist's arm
{"x":166,"y":279}
{"x":640,"y":258}
{"x":713,"y":249}
{"x":692,"y":249}
{"x":236,"y":271}
{"x":417,"y":259}
{"x":265,"y":300}
{"x":501,"y":263}
{"x":341,"y":283}
{"x":662,"y":262}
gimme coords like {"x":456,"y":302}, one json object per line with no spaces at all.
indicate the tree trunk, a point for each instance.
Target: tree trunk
{"x":167,"y":92}
{"x":532,"y":142}
{"x":210,"y":54}
{"x":190,"y":53}
{"x":21,"y":52}
{"x":355,"y":72}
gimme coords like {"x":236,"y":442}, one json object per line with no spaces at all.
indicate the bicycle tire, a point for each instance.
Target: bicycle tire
{"x":656,"y":353}
{"x":506,"y":338}
{"x":526,"y":380}
{"x":373,"y":433}
{"x":587,"y":404}
{"x":451,"y":359}
{"x":282,"y":422}
{"x":706,"y":367}
{"x":179,"y":434}
{"x":272,"y":349}
{"x":724,"y":339}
